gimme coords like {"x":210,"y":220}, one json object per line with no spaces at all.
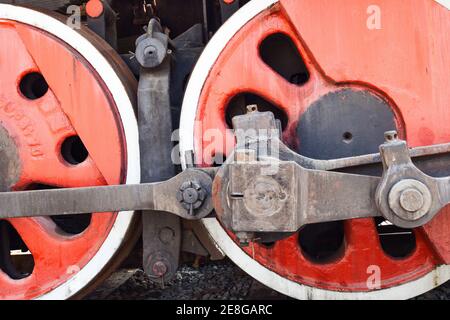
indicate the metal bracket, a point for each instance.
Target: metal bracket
{"x":265,"y":187}
{"x":161,"y":232}
{"x":280,"y":196}
{"x":406,"y":196}
{"x":152,"y":47}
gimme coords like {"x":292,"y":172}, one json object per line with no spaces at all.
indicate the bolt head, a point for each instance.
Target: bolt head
{"x":390,"y":136}
{"x":411,"y":200}
{"x":166,"y":235}
{"x":159,"y":268}
{"x":244,"y":238}
{"x":150,"y":50}
{"x":190,"y":196}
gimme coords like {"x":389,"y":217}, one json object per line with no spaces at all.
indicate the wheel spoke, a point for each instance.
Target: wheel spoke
{"x":53,"y":172}
{"x":14,"y":52}
{"x":50,"y":247}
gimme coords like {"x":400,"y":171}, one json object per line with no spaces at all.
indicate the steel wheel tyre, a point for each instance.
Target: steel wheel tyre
{"x":231,"y":65}
{"x":64,"y":90}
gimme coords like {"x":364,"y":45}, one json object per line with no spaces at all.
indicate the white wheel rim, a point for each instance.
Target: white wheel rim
{"x":222,"y":240}
{"x":123,"y":221}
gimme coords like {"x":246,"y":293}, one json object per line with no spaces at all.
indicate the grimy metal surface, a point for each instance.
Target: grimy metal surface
{"x":161,"y":233}
{"x":292,"y":198}
{"x":345,"y":123}
{"x":256,"y":192}
{"x":250,"y":125}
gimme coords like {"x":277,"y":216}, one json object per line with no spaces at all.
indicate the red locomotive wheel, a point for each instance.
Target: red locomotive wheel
{"x":68,"y":122}
{"x":388,"y":54}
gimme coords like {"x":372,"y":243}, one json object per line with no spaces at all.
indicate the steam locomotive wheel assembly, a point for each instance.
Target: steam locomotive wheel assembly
{"x":351,"y":96}
{"x":67,"y":117}
{"x":337,"y":60}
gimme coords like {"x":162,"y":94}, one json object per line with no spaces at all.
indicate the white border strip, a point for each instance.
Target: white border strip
{"x":445,"y":3}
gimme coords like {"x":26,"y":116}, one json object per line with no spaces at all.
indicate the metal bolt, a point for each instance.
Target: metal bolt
{"x":411,"y":200}
{"x":252,"y":108}
{"x":150,"y":50}
{"x":166,"y":235}
{"x":159,"y":268}
{"x":191,"y":196}
{"x":244,"y":238}
{"x":390,"y":136}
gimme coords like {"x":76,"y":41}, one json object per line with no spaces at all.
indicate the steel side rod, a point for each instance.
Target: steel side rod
{"x":160,"y":196}
{"x":416,"y":154}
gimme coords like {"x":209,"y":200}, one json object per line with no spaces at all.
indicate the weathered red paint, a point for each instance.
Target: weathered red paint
{"x":77,"y":103}
{"x":405,"y":62}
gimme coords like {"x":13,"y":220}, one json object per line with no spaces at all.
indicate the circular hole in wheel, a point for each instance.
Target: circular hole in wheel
{"x":322,"y":243}
{"x":33,"y":86}
{"x":73,"y":150}
{"x":396,"y":242}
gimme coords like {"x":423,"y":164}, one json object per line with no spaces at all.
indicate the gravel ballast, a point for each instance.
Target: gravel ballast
{"x":219,"y":280}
